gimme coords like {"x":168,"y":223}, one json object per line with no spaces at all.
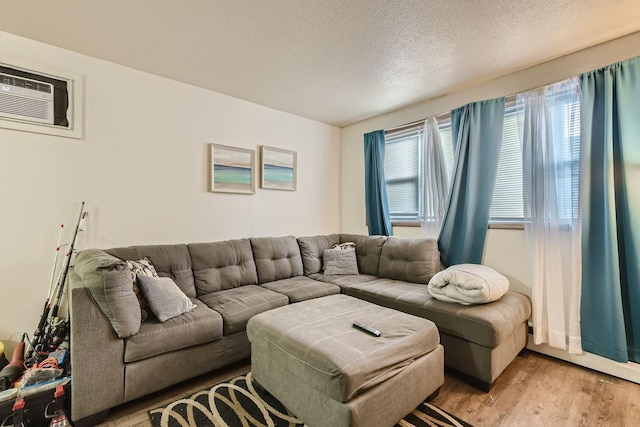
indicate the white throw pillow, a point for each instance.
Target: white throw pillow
{"x":164,"y":297}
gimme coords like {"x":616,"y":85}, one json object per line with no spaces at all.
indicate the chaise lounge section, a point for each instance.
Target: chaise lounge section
{"x":117,"y":357}
{"x":479,"y":340}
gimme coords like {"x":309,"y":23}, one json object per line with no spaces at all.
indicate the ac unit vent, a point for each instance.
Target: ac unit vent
{"x":25,"y":99}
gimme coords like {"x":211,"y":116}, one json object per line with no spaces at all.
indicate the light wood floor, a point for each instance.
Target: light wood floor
{"x":535,"y":390}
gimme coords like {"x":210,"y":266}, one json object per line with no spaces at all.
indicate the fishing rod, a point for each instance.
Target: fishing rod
{"x":65,"y":269}
{"x":47,"y":303}
{"x":52,"y":330}
{"x":55,"y":261}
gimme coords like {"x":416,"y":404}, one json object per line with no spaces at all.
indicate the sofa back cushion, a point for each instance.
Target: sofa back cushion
{"x":411,"y":260}
{"x":222,"y":265}
{"x":108,"y":280}
{"x":311,"y":249}
{"x":368,"y":250}
{"x":276,"y":258}
{"x":169,"y":261}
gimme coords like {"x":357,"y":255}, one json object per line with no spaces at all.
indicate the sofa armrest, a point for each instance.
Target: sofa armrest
{"x":109,"y":282}
{"x":97,"y":356}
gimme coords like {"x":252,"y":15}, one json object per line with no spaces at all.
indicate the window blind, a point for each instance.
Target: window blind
{"x":507,"y":203}
{"x":568,"y":157}
{"x":402,"y":173}
{"x":447,"y":146}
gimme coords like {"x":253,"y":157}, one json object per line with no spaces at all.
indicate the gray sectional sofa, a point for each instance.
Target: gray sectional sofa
{"x":116,"y":357}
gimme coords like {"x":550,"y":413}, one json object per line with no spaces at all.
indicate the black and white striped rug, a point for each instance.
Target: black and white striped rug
{"x":238,"y":403}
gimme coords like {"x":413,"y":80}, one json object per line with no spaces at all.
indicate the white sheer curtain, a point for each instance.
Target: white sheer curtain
{"x":434,"y":179}
{"x":550,"y":122}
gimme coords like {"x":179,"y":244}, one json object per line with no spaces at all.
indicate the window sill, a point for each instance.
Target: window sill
{"x":492,"y":225}
{"x":406,"y":224}
{"x":506,"y":226}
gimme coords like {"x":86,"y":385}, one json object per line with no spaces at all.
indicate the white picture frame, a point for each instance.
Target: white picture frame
{"x":232,"y":169}
{"x":278,"y":169}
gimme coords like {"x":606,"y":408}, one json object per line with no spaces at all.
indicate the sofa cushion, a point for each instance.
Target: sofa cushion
{"x":276,"y":258}
{"x":199,"y":326}
{"x":411,"y":260}
{"x":311,"y":249}
{"x":169,"y":261}
{"x":487,"y":324}
{"x":165,"y":298}
{"x":222,"y":265}
{"x":108,"y":280}
{"x":343,"y":281}
{"x":238,"y":305}
{"x":302,"y":288}
{"x":368,"y":250}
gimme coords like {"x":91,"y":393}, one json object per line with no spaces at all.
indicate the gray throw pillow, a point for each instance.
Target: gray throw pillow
{"x":165,"y":298}
{"x":340,"y":260}
{"x":143,"y":267}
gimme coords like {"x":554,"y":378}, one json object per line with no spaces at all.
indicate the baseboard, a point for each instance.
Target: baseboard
{"x":627,"y":371}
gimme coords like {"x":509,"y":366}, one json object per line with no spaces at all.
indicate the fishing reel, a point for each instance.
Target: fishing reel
{"x":49,"y":340}
{"x":55,"y":334}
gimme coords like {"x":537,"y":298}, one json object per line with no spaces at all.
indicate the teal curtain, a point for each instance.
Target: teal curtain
{"x":378,"y":219}
{"x":477,"y":136}
{"x":610,"y":303}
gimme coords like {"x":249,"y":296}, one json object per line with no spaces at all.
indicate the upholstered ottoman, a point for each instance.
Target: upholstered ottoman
{"x":328,"y":373}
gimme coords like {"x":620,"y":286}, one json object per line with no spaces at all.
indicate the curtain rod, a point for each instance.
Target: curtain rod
{"x":417,"y":122}
{"x":509,"y":100}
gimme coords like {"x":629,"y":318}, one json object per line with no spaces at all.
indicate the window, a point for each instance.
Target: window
{"x":447,"y":145}
{"x":568,"y":158}
{"x":507,"y":204}
{"x":507,"y":197}
{"x":403,"y":150}
{"x":403,"y":167}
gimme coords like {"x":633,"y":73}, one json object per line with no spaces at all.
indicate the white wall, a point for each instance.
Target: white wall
{"x":505,"y":250}
{"x":143,"y":171}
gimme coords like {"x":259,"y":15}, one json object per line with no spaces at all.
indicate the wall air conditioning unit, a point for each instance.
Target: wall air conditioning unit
{"x":26,"y":99}
{"x":40,"y":98}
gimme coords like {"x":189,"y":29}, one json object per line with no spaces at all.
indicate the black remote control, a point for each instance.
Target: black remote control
{"x":367,"y":328}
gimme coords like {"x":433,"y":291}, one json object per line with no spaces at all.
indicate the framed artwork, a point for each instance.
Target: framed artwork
{"x":232,"y":169}
{"x":278,"y":169}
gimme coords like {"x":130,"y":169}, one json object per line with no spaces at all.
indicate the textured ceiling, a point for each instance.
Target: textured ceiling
{"x":333,"y":61}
